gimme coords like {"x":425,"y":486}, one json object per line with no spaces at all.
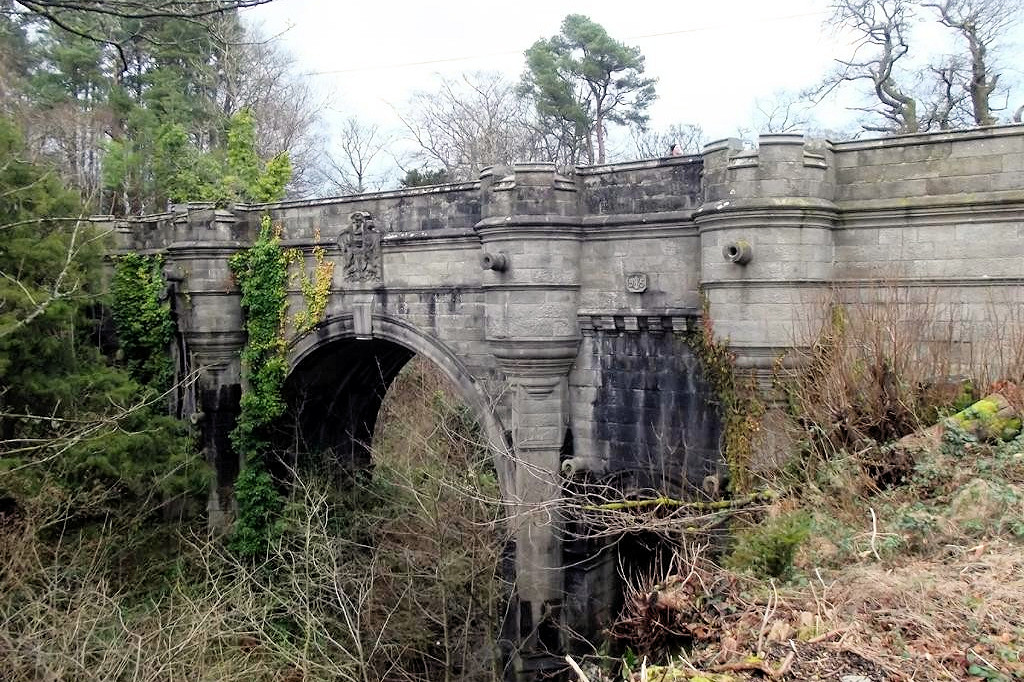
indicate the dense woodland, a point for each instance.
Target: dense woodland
{"x":107,"y":569}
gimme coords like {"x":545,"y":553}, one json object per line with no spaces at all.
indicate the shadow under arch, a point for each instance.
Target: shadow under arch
{"x":342,"y":377}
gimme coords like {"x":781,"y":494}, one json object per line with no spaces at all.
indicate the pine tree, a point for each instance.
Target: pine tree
{"x":582,"y":79}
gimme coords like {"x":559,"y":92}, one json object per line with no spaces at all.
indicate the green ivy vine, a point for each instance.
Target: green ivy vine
{"x":142,"y":318}
{"x":741,"y":409}
{"x":262,"y":275}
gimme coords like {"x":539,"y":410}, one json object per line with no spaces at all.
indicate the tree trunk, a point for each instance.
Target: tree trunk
{"x":981,"y":85}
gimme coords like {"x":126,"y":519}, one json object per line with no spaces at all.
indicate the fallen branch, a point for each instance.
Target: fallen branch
{"x":717,"y":505}
{"x":757,"y":666}
{"x":577,"y":669}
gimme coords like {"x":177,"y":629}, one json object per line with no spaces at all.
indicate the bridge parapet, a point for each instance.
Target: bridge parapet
{"x":411,"y":210}
{"x":783,"y":166}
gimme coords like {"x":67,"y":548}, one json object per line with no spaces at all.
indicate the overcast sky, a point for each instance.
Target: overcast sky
{"x":713,"y":59}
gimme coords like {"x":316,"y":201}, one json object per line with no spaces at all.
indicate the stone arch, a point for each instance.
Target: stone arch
{"x":392,"y":343}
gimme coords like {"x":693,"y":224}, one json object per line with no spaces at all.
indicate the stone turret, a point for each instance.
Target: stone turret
{"x":197,"y":240}
{"x":766,"y":244}
{"x":530,"y":236}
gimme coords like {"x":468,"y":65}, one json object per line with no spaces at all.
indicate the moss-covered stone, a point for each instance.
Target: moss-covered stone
{"x":990,"y":418}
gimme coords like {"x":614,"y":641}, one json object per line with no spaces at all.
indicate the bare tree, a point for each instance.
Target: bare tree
{"x":70,"y":136}
{"x":782,"y":112}
{"x":688,"y":137}
{"x":349,"y":170}
{"x":69,"y":14}
{"x":947,"y":103}
{"x":470,"y":123}
{"x":882,"y":28}
{"x":981,"y":23}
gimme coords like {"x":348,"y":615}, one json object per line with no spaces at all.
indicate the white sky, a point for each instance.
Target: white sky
{"x":713,"y":59}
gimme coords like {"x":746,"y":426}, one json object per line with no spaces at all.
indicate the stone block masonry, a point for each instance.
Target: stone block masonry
{"x":560,"y":305}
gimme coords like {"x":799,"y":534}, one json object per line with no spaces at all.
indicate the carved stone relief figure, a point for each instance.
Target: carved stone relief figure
{"x":360,"y":245}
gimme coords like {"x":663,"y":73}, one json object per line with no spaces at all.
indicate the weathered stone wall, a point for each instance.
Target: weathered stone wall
{"x":936,"y":216}
{"x":644,"y":418}
{"x":409,"y":210}
{"x":939,"y":231}
{"x":935,"y":210}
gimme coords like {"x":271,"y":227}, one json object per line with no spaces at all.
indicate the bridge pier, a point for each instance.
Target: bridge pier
{"x":209,"y":319}
{"x":530,"y":235}
{"x":218,"y":392}
{"x":540,"y":414}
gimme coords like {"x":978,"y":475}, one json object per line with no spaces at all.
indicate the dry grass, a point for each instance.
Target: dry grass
{"x":396,"y":579}
{"x":889,"y":362}
{"x":914,"y":570}
{"x":956,"y":618}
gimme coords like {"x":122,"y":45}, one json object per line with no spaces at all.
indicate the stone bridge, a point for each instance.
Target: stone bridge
{"x":560,"y":306}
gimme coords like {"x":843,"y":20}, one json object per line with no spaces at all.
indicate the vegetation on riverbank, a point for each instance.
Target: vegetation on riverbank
{"x":893,"y":550}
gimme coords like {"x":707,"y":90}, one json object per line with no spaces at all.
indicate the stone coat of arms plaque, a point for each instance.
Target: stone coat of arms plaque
{"x":360,"y":247}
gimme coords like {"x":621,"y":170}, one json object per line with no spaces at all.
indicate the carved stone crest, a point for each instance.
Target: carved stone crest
{"x":360,"y":247}
{"x":636,"y":282}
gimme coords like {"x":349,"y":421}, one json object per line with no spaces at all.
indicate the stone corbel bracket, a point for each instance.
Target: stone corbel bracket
{"x":677,"y":321}
{"x":538,"y":365}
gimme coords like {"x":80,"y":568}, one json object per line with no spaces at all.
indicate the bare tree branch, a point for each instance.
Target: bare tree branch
{"x":132,"y":9}
{"x":359,"y":143}
{"x":883,"y":28}
{"x":688,"y":138}
{"x":471,"y":123}
{"x":981,"y":23}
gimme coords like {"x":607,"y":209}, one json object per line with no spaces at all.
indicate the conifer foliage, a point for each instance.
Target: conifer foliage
{"x":73,"y":425}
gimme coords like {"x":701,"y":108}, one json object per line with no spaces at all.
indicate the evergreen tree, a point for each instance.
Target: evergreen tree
{"x":582,"y":79}
{"x":423,"y":177}
{"x":145,"y":118}
{"x":71,"y":423}
{"x":14,"y":58}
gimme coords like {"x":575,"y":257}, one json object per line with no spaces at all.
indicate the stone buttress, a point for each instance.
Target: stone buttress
{"x":530,"y":237}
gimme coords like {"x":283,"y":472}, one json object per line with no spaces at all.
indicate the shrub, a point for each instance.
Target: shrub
{"x":768,"y":549}
{"x":883,"y":368}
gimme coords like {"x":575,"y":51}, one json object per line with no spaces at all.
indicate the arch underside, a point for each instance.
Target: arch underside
{"x":338,"y":381}
{"x":335,"y":394}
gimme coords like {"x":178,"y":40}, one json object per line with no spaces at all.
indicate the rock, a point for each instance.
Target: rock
{"x":991,"y":418}
{"x":980,"y":505}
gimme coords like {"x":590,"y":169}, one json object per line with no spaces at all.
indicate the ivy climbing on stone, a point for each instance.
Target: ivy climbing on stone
{"x":142,"y":318}
{"x":316,"y":288}
{"x":262,"y":275}
{"x":741,"y":411}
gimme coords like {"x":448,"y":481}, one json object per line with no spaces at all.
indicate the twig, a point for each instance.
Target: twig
{"x":577,"y":669}
{"x":874,"y":533}
{"x":827,"y":635}
{"x":786,"y":664}
{"x":759,"y":666}
{"x":769,"y":611}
